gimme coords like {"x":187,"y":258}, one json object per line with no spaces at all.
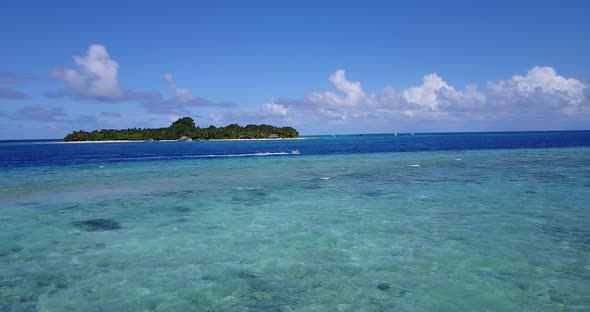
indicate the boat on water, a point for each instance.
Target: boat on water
{"x":295,"y":152}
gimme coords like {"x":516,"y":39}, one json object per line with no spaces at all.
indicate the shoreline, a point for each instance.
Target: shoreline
{"x":140,"y":141}
{"x":263,"y":139}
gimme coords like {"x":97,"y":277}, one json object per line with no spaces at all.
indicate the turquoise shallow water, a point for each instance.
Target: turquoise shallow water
{"x":487,"y":230}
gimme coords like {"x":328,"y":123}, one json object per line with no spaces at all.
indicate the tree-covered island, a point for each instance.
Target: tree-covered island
{"x":185,"y":128}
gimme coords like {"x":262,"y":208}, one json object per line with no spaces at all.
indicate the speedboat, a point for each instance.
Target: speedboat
{"x":295,"y":152}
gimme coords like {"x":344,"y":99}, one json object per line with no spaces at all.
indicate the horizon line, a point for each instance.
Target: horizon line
{"x":375,"y":133}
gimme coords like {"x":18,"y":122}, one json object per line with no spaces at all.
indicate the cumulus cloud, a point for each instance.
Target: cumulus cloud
{"x":95,"y":76}
{"x":426,"y":95}
{"x":351,"y":93}
{"x":541,"y":94}
{"x":353,"y":101}
{"x":542,"y":80}
{"x":275,"y":109}
{"x":542,"y":87}
{"x":470,"y":99}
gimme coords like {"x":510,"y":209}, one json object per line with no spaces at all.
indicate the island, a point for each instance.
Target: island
{"x":184,"y":129}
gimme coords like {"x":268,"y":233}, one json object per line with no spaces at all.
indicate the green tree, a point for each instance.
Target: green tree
{"x":185,"y":127}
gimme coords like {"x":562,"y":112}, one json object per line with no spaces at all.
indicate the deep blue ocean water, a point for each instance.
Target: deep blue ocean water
{"x":47,"y":152}
{"x":425,"y":222}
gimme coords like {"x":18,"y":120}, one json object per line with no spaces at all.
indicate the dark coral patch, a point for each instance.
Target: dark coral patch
{"x":383,"y":286}
{"x":182,"y":209}
{"x":93,"y":225}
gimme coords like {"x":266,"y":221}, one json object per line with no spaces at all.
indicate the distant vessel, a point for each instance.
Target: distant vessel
{"x":295,"y":152}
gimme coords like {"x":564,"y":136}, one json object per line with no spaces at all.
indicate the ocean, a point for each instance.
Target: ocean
{"x":425,"y":222}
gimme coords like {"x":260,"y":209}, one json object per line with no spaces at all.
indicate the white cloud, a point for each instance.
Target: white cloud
{"x":275,"y":109}
{"x":426,"y":95}
{"x":540,"y":95}
{"x":470,"y":99}
{"x":546,"y":80}
{"x":431,"y":96}
{"x":541,"y":88}
{"x":351,"y":93}
{"x":334,"y":115}
{"x":95,"y":75}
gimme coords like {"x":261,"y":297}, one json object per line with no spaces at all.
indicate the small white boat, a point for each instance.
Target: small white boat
{"x":295,"y":152}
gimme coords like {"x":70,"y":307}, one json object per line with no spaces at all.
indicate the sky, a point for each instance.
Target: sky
{"x":323,"y":67}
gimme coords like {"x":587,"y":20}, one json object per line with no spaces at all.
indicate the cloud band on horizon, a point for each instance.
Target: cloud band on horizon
{"x":541,"y":94}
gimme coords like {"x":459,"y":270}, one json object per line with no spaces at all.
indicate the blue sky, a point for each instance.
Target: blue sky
{"x":329,"y":67}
